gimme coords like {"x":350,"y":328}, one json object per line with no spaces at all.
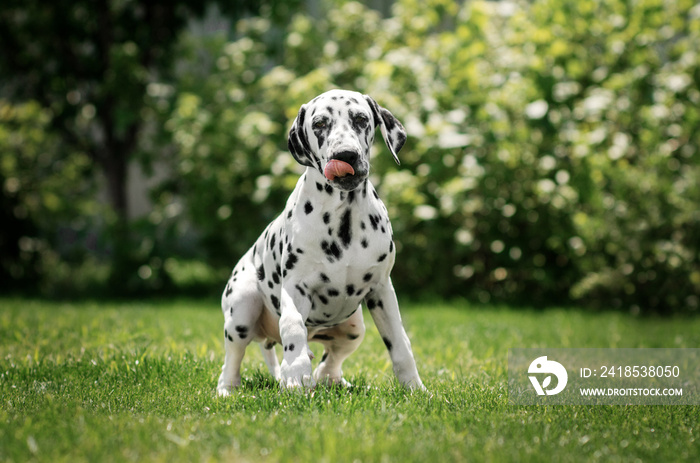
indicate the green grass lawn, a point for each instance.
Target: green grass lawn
{"x":104,"y":382}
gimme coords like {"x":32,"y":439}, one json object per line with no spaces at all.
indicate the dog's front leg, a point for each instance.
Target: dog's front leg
{"x":296,"y":364}
{"x":384,"y":308}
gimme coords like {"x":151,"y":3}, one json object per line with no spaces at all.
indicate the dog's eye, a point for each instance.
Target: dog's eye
{"x":360,"y":120}
{"x":320,"y":124}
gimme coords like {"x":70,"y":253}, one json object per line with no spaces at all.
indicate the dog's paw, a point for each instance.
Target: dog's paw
{"x":226,"y":384}
{"x":296,"y":374}
{"x":329,"y":382}
{"x":298,"y":383}
{"x":329,"y":377}
{"x":414,"y":385}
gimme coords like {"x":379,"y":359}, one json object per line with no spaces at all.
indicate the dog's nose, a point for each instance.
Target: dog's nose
{"x":350,"y":157}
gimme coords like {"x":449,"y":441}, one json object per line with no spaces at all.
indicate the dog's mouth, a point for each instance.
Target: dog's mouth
{"x":335,"y":168}
{"x":345,"y":170}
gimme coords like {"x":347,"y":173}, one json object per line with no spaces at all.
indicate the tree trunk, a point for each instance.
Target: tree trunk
{"x":115,"y":170}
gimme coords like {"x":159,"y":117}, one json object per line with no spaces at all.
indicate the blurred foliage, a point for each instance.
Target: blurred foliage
{"x":87,"y":65}
{"x":42,"y":190}
{"x":552,"y":152}
{"x":552,"y":149}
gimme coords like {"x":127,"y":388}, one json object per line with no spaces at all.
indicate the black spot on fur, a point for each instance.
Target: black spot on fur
{"x":371,"y":304}
{"x":229,"y":290}
{"x":350,"y":289}
{"x":387,"y":343}
{"x":319,"y":187}
{"x":381,"y":258}
{"x":301,"y":290}
{"x":261,"y":273}
{"x":242,"y":331}
{"x":323,"y":299}
{"x":289,"y":215}
{"x":335,"y":250}
{"x":270,"y":344}
{"x":332,"y":249}
{"x":308,"y":207}
{"x":291,"y":347}
{"x":332,"y":292}
{"x":329,"y":189}
{"x":228,"y":336}
{"x":364,"y":243}
{"x":402,"y":138}
{"x":276,"y":278}
{"x":275,"y":302}
{"x":326,"y":218}
{"x":325,"y":278}
{"x":291,"y":261}
{"x":344,"y":233}
{"x":373,"y":222}
{"x":367,"y":277}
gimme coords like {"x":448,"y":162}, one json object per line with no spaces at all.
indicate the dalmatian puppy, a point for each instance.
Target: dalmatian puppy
{"x":331,"y":249}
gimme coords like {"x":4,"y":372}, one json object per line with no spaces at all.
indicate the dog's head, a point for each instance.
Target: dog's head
{"x":333,"y":134}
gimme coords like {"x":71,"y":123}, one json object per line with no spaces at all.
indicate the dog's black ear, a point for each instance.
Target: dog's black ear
{"x":392,"y":130}
{"x":297,"y":142}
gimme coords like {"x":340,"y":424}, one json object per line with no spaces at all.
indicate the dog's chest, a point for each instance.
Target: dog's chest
{"x":329,"y":253}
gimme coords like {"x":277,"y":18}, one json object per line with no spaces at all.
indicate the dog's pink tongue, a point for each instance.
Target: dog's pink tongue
{"x":336,"y":168}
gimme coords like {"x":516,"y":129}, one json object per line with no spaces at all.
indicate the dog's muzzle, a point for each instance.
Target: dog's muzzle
{"x":344,"y":170}
{"x":340,"y":165}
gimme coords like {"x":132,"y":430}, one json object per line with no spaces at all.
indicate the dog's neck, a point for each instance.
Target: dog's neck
{"x":313,"y":184}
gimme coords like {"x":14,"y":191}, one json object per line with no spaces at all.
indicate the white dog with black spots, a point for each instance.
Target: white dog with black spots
{"x":331,"y":249}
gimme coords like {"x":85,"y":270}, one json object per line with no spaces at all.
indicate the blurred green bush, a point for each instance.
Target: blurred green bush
{"x":552,"y":153}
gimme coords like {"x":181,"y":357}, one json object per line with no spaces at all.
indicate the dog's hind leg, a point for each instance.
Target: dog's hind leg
{"x":268,"y":351}
{"x":242,"y":306}
{"x":338,"y":342}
